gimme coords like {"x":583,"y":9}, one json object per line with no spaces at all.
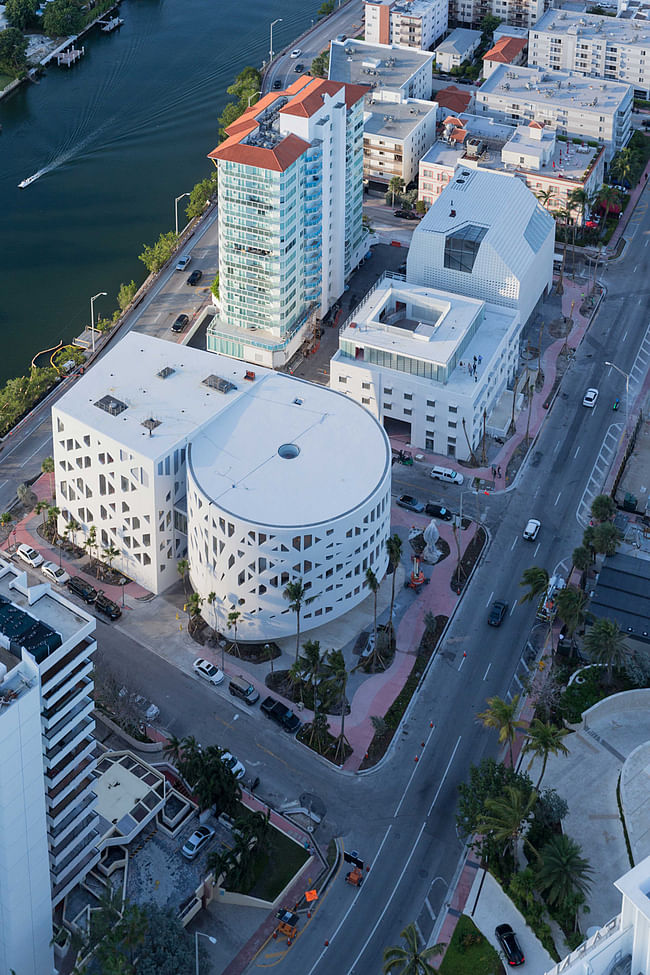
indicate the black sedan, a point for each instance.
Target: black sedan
{"x":298,"y":68}
{"x":438,"y":511}
{"x":181,"y":323}
{"x":497,"y":612}
{"x":406,"y":501}
{"x":509,"y":944}
{"x":195,"y":276}
{"x":406,"y":214}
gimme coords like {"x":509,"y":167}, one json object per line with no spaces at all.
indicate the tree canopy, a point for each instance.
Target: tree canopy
{"x":63,"y":17}
{"x":156,"y":255}
{"x":21,"y":13}
{"x":203,"y":193}
{"x":13,"y":48}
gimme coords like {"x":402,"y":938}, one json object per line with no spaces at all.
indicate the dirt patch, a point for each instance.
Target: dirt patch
{"x":470,"y":558}
{"x":253,"y":653}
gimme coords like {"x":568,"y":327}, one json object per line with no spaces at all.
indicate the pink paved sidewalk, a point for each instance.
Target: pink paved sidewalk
{"x":629,"y":209}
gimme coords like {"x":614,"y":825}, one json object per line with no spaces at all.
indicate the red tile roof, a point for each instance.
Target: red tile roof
{"x":506,"y":49}
{"x":453,"y":98}
{"x":277,"y":159}
{"x":309,"y":98}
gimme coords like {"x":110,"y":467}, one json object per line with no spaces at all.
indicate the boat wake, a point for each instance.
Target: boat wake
{"x":31,"y":179}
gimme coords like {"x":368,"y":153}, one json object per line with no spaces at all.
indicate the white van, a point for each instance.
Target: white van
{"x":446,"y":474}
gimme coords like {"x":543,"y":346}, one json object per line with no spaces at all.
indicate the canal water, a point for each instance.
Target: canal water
{"x":119,"y":136}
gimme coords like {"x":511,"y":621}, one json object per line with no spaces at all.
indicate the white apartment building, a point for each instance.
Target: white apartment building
{"x":516,"y":13}
{"x":623,"y":944}
{"x":457,"y":48}
{"x":397,"y":131}
{"x":408,"y":23}
{"x":290,"y":217}
{"x":48,"y":822}
{"x":613,"y":48}
{"x":258,"y":477}
{"x":589,"y":109}
{"x":531,"y":151}
{"x":486,"y":237}
{"x":407,"y":354}
{"x":387,"y":66}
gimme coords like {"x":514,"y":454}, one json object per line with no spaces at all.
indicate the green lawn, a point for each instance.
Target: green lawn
{"x":281,"y":860}
{"x":469,"y":953}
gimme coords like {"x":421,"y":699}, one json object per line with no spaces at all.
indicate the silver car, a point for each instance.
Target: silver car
{"x":197,"y":842}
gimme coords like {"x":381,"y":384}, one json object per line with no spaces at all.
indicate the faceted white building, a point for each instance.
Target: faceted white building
{"x":486,"y":236}
{"x":48,"y":822}
{"x":258,"y":477}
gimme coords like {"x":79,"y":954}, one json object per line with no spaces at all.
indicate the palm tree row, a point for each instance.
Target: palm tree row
{"x":211,"y":781}
{"x":325,"y":677}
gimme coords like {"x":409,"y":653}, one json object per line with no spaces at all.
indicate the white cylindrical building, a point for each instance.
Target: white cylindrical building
{"x":291,"y":483}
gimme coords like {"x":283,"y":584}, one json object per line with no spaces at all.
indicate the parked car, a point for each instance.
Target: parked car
{"x":509,"y":944}
{"x":280,"y":714}
{"x":406,"y":214}
{"x":195,"y":276}
{"x":207,"y":671}
{"x":29,"y":555}
{"x":181,"y":323}
{"x":184,"y":261}
{"x":591,"y":224}
{"x":438,"y":511}
{"x":531,"y":531}
{"x":54,"y":572}
{"x":341,"y":37}
{"x":590,"y":398}
{"x":446,"y":474}
{"x":299,"y":68}
{"x":106,"y":606}
{"x":295,"y":53}
{"x":407,"y":501}
{"x":498,"y":610}
{"x":81,"y":588}
{"x":235,"y":766}
{"x":197,"y":842}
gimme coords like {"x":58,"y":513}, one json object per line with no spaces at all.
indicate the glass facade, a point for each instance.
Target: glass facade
{"x":462,"y":247}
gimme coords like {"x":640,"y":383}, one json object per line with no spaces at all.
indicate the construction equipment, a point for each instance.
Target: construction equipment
{"x":354,"y":877}
{"x":417,"y":578}
{"x":287,"y":926}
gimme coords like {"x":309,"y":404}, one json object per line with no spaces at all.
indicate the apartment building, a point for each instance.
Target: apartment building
{"x":550,"y":168}
{"x":507,"y":50}
{"x":613,"y":48}
{"x":408,"y":23}
{"x":290,"y":217}
{"x":428,"y":363}
{"x":485,"y":237}
{"x":255,"y":476}
{"x":516,"y":13}
{"x":457,"y":48}
{"x":48,"y":822}
{"x":378,"y":66}
{"x":589,"y":109}
{"x":397,"y":132}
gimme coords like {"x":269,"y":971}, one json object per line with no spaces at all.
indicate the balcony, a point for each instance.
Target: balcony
{"x":60,"y":854}
{"x":59,"y":731}
{"x":56,"y":814}
{"x":62,"y":887}
{"x":70,"y":822}
{"x":53,"y":696}
{"x":67,"y":663}
{"x":54,"y":775}
{"x":70,"y":783}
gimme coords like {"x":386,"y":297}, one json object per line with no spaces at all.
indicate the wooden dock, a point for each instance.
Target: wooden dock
{"x":109,"y":25}
{"x":70,"y":57}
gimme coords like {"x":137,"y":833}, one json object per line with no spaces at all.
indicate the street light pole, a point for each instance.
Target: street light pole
{"x":197,"y":935}
{"x":273,"y":23}
{"x":627,"y":391}
{"x":92,"y":315}
{"x":253,"y":96}
{"x":176,"y":202}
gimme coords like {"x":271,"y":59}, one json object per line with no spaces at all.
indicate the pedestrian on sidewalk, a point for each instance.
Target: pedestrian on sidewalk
{"x":499,"y":471}
{"x":494,"y":473}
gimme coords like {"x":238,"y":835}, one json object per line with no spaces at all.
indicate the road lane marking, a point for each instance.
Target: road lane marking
{"x":462,"y":661}
{"x":40,"y":447}
{"x":514,"y":606}
{"x":389,"y":901}
{"x":486,"y":672}
{"x":536,"y":550}
{"x":625,"y":335}
{"x":344,"y":918}
{"x":557,"y":499}
{"x":442,"y":780}
{"x":577,"y":452}
{"x":415,"y":768}
{"x":489,"y":599}
{"x":514,"y":543}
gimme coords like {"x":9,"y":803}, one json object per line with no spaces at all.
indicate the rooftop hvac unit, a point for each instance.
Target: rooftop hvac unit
{"x":474,"y":148}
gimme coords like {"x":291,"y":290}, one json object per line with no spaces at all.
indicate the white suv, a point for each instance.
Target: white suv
{"x":207,"y":670}
{"x":29,"y":555}
{"x":531,"y":531}
{"x":446,"y":474}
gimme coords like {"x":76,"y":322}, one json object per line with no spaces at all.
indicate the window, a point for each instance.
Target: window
{"x":462,"y":247}
{"x":408,"y":395}
{"x":430,"y":402}
{"x":343,"y":379}
{"x":453,"y":409}
{"x":408,"y":412}
{"x":365,"y":385}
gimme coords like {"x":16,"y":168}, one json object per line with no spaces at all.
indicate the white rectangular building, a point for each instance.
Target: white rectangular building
{"x":425,"y":361}
{"x":388,"y":66}
{"x":575,"y":106}
{"x":48,"y":821}
{"x":457,"y":48}
{"x":397,"y":131}
{"x":487,"y":237}
{"x":408,"y":23}
{"x":613,"y":48}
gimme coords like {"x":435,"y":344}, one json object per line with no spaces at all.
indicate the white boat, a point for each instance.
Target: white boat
{"x":30,"y":179}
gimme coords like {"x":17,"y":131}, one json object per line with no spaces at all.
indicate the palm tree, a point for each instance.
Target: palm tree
{"x":543,"y":740}
{"x":606,"y":645}
{"x":5,"y":519}
{"x":233,"y":616}
{"x":296,"y":678}
{"x":52,"y":514}
{"x":609,"y":196}
{"x":220,"y":861}
{"x":394,"y":548}
{"x":183,"y":567}
{"x":545,"y":197}
{"x":512,"y":427}
{"x":603,"y":508}
{"x":90,"y":543}
{"x":571,"y":605}
{"x":310,"y":666}
{"x":395,"y":185}
{"x":581,"y":558}
{"x":193,"y":605}
{"x":41,"y":506}
{"x":338,"y":675}
{"x":110,"y":554}
{"x":411,"y":958}
{"x":563,"y":873}
{"x":295,"y":595}
{"x":48,"y":468}
{"x":606,"y":538}
{"x":373,"y":585}
{"x":500,"y":716}
{"x":508,"y":816}
{"x":537,"y":581}
{"x":578,"y":201}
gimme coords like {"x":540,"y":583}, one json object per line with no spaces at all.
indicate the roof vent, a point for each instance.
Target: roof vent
{"x":221,"y":385}
{"x":151,"y":424}
{"x":288,"y":451}
{"x":111,"y":405}
{"x":297,"y":402}
{"x":165,"y":371}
